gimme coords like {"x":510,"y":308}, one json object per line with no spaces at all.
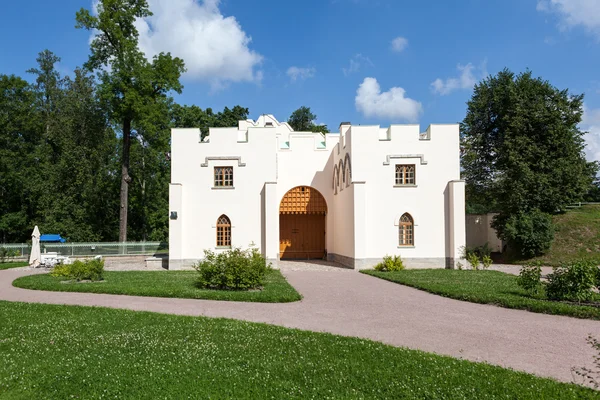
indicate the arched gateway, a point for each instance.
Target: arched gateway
{"x":302,"y":214}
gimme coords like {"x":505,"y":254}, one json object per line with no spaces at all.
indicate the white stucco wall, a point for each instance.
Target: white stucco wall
{"x":363,"y":212}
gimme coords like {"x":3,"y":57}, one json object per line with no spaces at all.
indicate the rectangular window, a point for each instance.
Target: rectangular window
{"x":405,"y":175}
{"x":223,"y":176}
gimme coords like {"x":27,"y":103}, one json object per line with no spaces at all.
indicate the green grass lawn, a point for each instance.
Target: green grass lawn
{"x":487,"y":287}
{"x":577,"y":237}
{"x":16,"y":264}
{"x":165,"y":284}
{"x":59,"y":352}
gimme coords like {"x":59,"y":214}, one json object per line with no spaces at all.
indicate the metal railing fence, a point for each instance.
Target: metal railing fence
{"x":22,"y":250}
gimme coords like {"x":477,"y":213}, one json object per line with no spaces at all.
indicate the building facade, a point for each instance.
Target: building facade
{"x":351,"y":197}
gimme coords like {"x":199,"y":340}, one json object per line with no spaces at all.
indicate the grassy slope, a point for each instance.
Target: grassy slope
{"x":15,"y":264}
{"x":577,"y":236}
{"x":49,"y":351}
{"x":486,"y":287}
{"x":165,"y":284}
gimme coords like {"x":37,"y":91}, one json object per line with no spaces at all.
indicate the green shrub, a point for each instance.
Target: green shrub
{"x":573,"y":282}
{"x":390,"y":264}
{"x":473,"y":260}
{"x":92,"y":270}
{"x":232,"y":270}
{"x":528,"y":234}
{"x":530,"y":278}
{"x":486,"y":261}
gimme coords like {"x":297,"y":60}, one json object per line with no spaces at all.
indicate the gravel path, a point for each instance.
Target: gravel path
{"x":348,"y":303}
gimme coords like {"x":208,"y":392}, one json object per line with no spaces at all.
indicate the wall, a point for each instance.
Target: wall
{"x":435,"y":154}
{"x":480,"y":232}
{"x":364,"y":210}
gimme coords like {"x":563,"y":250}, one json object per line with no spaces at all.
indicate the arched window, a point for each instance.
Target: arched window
{"x":336,"y":177}
{"x":223,"y":231}
{"x":406,"y":229}
{"x":348,"y":166}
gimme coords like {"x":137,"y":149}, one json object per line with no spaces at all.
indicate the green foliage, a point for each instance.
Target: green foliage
{"x":8,"y":254}
{"x":195,"y":117}
{"x":527,"y":234}
{"x":530,"y":278}
{"x":303,"y":120}
{"x":390,"y":264}
{"x":234,"y":269}
{"x":474,"y":254}
{"x":134,"y":90}
{"x":486,"y":261}
{"x":473,"y":260}
{"x":573,"y":282}
{"x":522,"y":151}
{"x":79,"y":270}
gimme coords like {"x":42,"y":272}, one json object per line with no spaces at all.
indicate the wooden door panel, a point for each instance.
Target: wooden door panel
{"x":302,"y":236}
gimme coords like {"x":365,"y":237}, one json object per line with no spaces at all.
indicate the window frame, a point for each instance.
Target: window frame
{"x":401,"y":175}
{"x":406,"y":231}
{"x":221,"y":178}
{"x":223,"y":232}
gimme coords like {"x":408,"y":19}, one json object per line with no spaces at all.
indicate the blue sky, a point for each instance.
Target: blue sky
{"x":364,"y":61}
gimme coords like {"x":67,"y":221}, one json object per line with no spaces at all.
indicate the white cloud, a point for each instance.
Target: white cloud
{"x":399,"y":44}
{"x":214,"y":47}
{"x":591,"y":123}
{"x":574,"y":13}
{"x":392,"y":104}
{"x":296,"y":73}
{"x":466,"y":79}
{"x":356,"y":63}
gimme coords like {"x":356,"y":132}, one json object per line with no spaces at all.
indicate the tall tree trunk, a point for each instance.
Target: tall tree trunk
{"x":125,"y":179}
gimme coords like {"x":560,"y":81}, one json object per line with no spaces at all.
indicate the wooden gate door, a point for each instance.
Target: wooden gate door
{"x":302,"y":224}
{"x":302,"y":236}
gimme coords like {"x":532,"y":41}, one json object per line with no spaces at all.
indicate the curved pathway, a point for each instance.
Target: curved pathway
{"x":348,"y":303}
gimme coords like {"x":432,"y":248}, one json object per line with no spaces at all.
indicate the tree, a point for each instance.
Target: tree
{"x":134,"y":89}
{"x":522,"y":151}
{"x":303,"y":120}
{"x":195,"y":117}
{"x":19,"y":137}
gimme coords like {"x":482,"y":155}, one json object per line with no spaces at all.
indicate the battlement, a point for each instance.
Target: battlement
{"x":267,"y":132}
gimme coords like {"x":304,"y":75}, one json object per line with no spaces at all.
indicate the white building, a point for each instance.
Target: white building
{"x":351,"y":197}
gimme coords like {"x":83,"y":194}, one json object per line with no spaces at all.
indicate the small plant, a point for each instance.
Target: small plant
{"x":530,"y":278}
{"x":232,"y":270}
{"x":390,"y":264}
{"x":471,"y":255}
{"x":486,"y":260}
{"x":92,"y":270}
{"x":473,"y":260}
{"x":459,"y":266}
{"x":591,"y":376}
{"x":574,"y":282}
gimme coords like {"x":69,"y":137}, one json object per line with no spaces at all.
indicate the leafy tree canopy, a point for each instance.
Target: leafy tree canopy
{"x":303,"y":120}
{"x":134,"y":89}
{"x":522,"y":154}
{"x":521,"y":147}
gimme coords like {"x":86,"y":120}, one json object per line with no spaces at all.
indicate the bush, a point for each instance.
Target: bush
{"x":527,"y":234}
{"x":473,"y":260}
{"x":573,"y":282}
{"x":390,"y":264}
{"x":92,"y":270}
{"x":486,"y":261}
{"x":7,"y":255}
{"x":530,"y":278}
{"x":232,"y":270}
